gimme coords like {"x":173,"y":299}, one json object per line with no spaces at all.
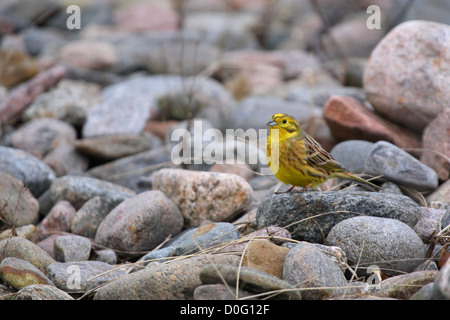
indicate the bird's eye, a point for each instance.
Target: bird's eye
{"x":284,"y":121}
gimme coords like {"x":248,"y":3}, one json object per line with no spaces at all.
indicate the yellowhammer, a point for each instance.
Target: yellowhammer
{"x":295,"y":158}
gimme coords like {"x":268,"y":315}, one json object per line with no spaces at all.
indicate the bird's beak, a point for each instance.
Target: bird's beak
{"x":271,"y":123}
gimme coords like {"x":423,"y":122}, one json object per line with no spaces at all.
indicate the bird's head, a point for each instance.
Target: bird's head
{"x":286,"y":125}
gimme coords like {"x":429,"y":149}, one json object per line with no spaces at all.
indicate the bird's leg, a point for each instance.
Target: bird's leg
{"x":287,"y":191}
{"x":303,"y":189}
{"x":290,"y":190}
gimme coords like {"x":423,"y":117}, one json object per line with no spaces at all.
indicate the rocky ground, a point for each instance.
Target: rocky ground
{"x":92,"y":205}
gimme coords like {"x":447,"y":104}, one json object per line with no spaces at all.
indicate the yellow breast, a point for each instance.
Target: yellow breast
{"x":287,"y":162}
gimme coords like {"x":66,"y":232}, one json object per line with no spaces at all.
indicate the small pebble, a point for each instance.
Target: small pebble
{"x":71,"y":248}
{"x":57,"y":220}
{"x":265,"y":256}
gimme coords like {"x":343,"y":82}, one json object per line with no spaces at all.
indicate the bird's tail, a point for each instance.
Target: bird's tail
{"x":351,"y":176}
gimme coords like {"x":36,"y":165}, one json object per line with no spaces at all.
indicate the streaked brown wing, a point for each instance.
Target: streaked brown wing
{"x":318,"y":157}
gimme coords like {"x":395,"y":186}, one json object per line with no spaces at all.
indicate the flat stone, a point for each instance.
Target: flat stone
{"x":309,"y":216}
{"x":195,"y":239}
{"x":81,"y":276}
{"x":24,"y":249}
{"x":38,"y":292}
{"x":350,"y":119}
{"x":78,"y":189}
{"x":20,"y":273}
{"x":399,"y":166}
{"x":176,"y":280}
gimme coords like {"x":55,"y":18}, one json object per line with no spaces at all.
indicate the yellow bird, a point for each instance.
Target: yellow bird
{"x":295,"y":158}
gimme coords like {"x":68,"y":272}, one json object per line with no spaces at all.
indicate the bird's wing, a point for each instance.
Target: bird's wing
{"x":316,"y":156}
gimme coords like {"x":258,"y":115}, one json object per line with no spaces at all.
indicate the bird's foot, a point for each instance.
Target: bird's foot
{"x":291,"y":190}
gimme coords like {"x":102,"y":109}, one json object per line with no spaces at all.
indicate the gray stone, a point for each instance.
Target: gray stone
{"x":390,"y":187}
{"x":429,"y":222}
{"x":406,"y":285}
{"x":255,"y":111}
{"x":131,"y":171}
{"x":71,"y":248}
{"x":203,"y":237}
{"x":70,"y":101}
{"x":306,"y":266}
{"x":24,"y":249}
{"x":106,"y":255}
{"x":335,"y":253}
{"x":309,"y":216}
{"x":116,"y":146}
{"x":386,"y":243}
{"x":249,"y":279}
{"x":219,"y":292}
{"x":18,"y":206}
{"x":81,"y":276}
{"x":183,"y":55}
{"x":25,"y":167}
{"x":176,"y":280}
{"x":39,"y":136}
{"x":38,"y":292}
{"x":140,"y":223}
{"x":64,"y":159}
{"x":399,"y":166}
{"x":132,"y":100}
{"x":352,"y":154}
{"x":77,"y":190}
{"x":222,"y":29}
{"x":319,"y":95}
{"x":424,"y":293}
{"x":87,"y":219}
{"x":441,"y":288}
